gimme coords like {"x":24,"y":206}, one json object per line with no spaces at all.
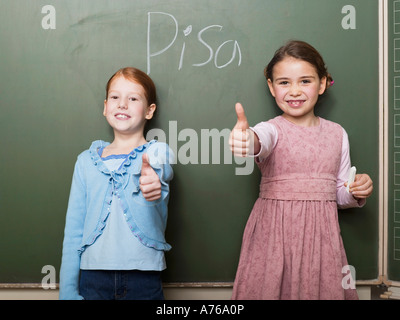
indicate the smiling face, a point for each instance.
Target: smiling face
{"x":126,"y":108}
{"x":296,"y":87}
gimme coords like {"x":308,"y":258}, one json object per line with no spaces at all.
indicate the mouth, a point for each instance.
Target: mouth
{"x":122,"y":116}
{"x":295,"y":103}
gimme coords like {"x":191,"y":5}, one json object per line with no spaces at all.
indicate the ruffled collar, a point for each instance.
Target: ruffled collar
{"x":97,"y":161}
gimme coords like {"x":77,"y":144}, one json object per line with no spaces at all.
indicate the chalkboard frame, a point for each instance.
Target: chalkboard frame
{"x":40,"y":15}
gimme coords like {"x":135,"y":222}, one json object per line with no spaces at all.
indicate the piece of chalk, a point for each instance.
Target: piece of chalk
{"x":352,"y":175}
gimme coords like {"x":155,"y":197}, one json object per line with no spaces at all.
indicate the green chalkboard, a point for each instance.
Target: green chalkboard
{"x":204,"y":55}
{"x":393,"y":217}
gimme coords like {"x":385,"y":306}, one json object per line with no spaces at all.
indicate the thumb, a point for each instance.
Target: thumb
{"x":241,"y":118}
{"x":146,"y":167}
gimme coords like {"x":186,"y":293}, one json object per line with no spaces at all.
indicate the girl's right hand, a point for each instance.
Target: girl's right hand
{"x":241,"y":139}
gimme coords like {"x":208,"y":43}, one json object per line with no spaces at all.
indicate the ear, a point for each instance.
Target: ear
{"x":105,"y":108}
{"x":150,"y":111}
{"x":322,"y":86}
{"x":271,"y":87}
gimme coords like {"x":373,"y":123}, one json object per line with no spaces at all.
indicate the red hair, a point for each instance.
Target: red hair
{"x":138,"y":76}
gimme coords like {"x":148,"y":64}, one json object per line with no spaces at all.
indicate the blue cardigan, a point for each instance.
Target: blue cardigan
{"x":92,"y":189}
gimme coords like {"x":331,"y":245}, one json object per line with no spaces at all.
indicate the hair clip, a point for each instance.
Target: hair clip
{"x":332,"y":83}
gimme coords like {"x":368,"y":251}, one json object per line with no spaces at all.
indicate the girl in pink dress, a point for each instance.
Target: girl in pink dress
{"x":292,"y":247}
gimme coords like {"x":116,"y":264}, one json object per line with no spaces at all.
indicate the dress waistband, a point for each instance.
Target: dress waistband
{"x":299,"y":187}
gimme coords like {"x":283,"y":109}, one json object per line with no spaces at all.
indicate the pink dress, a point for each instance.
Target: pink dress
{"x":292,"y":247}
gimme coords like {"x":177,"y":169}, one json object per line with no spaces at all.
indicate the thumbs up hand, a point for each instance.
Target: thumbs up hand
{"x":241,"y":123}
{"x":241,"y":139}
{"x":149,"y":181}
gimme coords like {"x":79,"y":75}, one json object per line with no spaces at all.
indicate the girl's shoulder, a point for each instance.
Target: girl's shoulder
{"x":276,"y":119}
{"x":92,"y":153}
{"x":331,"y":124}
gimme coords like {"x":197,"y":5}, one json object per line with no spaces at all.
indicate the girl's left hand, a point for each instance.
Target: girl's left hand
{"x":362,"y":186}
{"x":149,"y":181}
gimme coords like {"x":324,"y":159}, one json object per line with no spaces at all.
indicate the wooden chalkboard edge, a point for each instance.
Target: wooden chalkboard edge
{"x":368,"y":282}
{"x":390,"y":283}
{"x":23,"y":286}
{"x":175,"y":284}
{"x":165,"y":285}
{"x":198,"y":285}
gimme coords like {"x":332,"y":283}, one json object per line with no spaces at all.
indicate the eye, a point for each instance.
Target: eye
{"x":113,"y":97}
{"x":306,"y":81}
{"x":283,"y":83}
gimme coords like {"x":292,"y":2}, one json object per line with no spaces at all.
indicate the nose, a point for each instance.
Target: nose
{"x":295,"y":90}
{"x":122,"y":104}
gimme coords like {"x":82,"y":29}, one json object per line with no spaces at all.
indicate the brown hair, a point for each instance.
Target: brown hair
{"x":302,"y":51}
{"x":139,"y":77}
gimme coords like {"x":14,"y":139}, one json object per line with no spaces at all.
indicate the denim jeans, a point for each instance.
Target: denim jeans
{"x":121,"y":285}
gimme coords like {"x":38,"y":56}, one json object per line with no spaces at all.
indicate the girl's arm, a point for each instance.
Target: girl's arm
{"x":360,"y":189}
{"x":70,"y":264}
{"x":268,"y":137}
